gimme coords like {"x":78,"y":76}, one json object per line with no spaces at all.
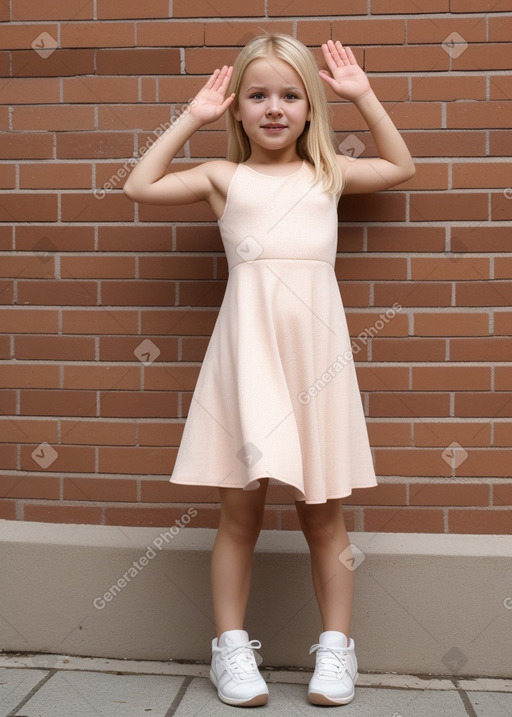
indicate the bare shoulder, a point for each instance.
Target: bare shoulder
{"x":220,"y":172}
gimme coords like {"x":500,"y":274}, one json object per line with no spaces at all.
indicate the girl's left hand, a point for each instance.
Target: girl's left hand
{"x":348,"y":79}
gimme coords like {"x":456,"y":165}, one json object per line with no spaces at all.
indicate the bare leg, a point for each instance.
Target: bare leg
{"x":323,"y":526}
{"x":241,"y":519}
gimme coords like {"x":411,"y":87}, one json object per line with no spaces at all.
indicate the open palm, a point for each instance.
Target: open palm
{"x":210,"y":103}
{"x":347,"y":79}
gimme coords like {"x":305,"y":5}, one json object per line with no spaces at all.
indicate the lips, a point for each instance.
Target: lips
{"x":274,"y":127}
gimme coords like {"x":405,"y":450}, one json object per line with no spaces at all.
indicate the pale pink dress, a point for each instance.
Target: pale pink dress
{"x":277,"y":394}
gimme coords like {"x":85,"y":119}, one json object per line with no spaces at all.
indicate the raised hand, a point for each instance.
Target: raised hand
{"x":348,"y":80}
{"x":211,"y":102}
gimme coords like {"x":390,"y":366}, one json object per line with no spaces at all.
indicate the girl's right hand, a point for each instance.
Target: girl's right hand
{"x":210,"y":103}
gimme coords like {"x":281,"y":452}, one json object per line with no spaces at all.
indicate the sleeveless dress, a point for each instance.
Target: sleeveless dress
{"x":277,"y":394}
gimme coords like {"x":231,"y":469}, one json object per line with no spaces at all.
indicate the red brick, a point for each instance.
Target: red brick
{"x":43,"y":241}
{"x":178,"y":322}
{"x":370,"y":31}
{"x":480,"y":6}
{"x":448,"y":143}
{"x":442,"y":206}
{"x":490,"y":293}
{"x":97,"y":432}
{"x":137,"y":404}
{"x":451,"y":378}
{"x":160,"y":434}
{"x":484,"y":56}
{"x":480,"y":174}
{"x":17,"y":429}
{"x":443,"y":434}
{"x":29,"y":376}
{"x":408,"y":6}
{"x":492,"y":349}
{"x":437,"y":29}
{"x":97,"y":34}
{"x":23,"y":486}
{"x":176,"y":267}
{"x":412,"y":293}
{"x":408,"y":349}
{"x":139,"y":62}
{"x":77,"y":514}
{"x":403,"y":520}
{"x":62,"y":63}
{"x":450,"y":494}
{"x":449,"y":88}
{"x":455,"y":324}
{"x":493,"y":239}
{"x":321,"y":7}
{"x":41,"y":90}
{"x":78,"y":459}
{"x":475,"y":114}
{"x":502,"y":494}
{"x":99,"y":321}
{"x":495,"y":405}
{"x":58,"y":403}
{"x":94,"y":489}
{"x":101,"y":377}
{"x":28,"y":208}
{"x":52,"y":10}
{"x":19,"y":146}
{"x":55,"y":348}
{"x":488,"y":522}
{"x":29,"y":321}
{"x":55,"y":176}
{"x":430,"y":58}
{"x":55,"y":293}
{"x":121,"y":348}
{"x":176,"y":33}
{"x":111,"y":9}
{"x":409,"y":404}
{"x":163,"y":517}
{"x":118,"y":459}
{"x":441,"y":268}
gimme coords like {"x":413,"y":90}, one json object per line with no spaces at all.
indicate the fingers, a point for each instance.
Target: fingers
{"x":336,"y":55}
{"x":219,"y":80}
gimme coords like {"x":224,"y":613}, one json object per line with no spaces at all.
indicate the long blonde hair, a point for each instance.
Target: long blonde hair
{"x":316,"y":143}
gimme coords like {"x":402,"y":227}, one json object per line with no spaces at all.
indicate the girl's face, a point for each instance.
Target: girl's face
{"x":272,"y":104}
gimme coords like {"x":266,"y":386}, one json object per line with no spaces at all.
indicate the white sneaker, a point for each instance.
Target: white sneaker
{"x":335,"y":671}
{"x":234,"y":671}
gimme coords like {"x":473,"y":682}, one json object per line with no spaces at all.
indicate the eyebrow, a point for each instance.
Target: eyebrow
{"x":262,"y":87}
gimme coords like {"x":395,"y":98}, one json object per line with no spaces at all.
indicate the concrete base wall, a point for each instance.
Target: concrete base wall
{"x":423,"y":603}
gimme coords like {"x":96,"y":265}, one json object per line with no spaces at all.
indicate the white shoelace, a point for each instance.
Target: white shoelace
{"x":331,"y":661}
{"x":240,"y":660}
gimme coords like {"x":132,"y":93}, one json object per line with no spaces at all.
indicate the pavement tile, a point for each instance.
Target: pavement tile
{"x":491,"y":704}
{"x":287,"y":700}
{"x":93,"y":694}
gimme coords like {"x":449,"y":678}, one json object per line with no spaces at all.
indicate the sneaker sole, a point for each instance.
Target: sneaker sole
{"x":317,"y":698}
{"x":255,"y":701}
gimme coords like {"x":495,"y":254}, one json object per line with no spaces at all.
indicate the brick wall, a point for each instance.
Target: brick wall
{"x":89,"y":431}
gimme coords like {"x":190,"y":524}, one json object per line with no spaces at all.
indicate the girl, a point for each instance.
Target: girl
{"x":277,"y":397}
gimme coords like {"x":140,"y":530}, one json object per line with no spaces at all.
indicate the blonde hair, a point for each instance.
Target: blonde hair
{"x":316,"y":143}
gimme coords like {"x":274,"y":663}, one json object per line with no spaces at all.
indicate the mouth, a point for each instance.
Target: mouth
{"x":273,"y":127}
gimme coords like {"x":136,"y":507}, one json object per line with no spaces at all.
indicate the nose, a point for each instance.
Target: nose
{"x":273,"y":108}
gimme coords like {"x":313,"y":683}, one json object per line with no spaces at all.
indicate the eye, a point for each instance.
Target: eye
{"x":256,"y":95}
{"x":291,"y":95}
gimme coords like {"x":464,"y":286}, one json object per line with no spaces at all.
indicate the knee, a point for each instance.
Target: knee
{"x":321,"y":527}
{"x":242,"y":526}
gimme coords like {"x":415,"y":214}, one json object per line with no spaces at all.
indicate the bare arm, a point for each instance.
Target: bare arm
{"x":394,"y":164}
{"x":148,"y":182}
